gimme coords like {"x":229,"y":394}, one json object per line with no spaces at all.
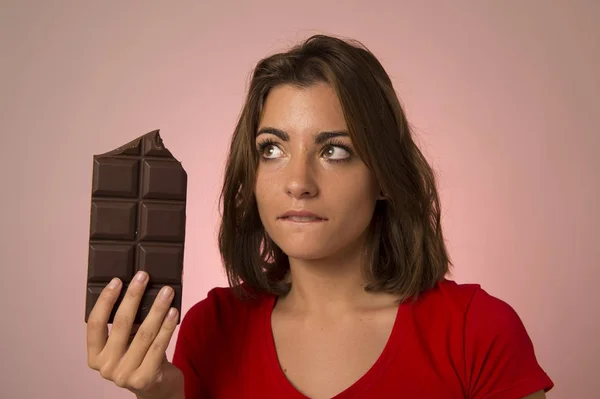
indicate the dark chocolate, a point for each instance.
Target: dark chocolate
{"x":137,"y":221}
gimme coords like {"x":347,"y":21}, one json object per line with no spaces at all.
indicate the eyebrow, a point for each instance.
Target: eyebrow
{"x":320,"y":137}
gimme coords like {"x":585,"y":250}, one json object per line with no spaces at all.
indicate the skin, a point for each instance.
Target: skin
{"x":298,"y":171}
{"x":537,"y":395}
{"x":328,"y":331}
{"x":140,"y":366}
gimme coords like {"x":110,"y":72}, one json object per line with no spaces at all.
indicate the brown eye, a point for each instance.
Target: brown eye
{"x":271,"y":151}
{"x":334,"y":152}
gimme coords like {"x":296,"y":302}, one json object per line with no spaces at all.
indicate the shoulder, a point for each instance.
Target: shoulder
{"x":483,"y":315}
{"x":224,"y":302}
{"x":211,"y":333}
{"x":450,"y":294}
{"x":217,"y":299}
{"x":496,"y":348}
{"x":483,"y":319}
{"x":472,"y":304}
{"x":223,"y":306}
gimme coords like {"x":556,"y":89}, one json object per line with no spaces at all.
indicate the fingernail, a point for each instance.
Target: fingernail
{"x":141,"y":277}
{"x":172,"y":313}
{"x":114,"y":283}
{"x":165,"y":293}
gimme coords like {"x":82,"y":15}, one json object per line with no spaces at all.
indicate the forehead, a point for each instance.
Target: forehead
{"x":303,"y":110}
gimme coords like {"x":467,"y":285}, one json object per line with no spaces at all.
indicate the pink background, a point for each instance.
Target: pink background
{"x":504,"y":96}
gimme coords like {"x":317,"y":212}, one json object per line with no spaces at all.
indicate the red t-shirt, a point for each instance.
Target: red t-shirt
{"x":456,"y":341}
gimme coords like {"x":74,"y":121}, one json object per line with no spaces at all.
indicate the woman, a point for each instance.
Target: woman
{"x":332,"y":243}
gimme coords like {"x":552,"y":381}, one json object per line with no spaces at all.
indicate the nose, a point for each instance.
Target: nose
{"x":300,"y":180}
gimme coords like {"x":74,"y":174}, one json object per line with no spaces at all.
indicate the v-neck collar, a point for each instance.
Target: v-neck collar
{"x":370,"y":377}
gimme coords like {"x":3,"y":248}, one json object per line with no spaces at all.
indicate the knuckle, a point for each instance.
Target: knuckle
{"x":168,"y":329}
{"x":108,"y":294}
{"x":121,"y":322}
{"x":146,"y":335}
{"x":121,"y":380}
{"x":135,"y":291}
{"x":93,"y":363}
{"x":106,"y":299}
{"x":94,"y":324}
{"x":158,"y":346}
{"x":170,"y":325}
{"x":139,"y":383}
{"x":106,"y":372}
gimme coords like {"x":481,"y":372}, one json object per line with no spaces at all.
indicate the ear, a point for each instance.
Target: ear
{"x":382,"y":196}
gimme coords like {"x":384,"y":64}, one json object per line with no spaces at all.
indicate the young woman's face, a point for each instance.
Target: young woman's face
{"x":315,"y":196}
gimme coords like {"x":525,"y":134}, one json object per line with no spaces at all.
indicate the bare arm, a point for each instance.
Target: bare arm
{"x":537,"y":395}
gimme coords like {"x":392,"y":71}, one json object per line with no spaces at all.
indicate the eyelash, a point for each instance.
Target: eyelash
{"x":333,"y":143}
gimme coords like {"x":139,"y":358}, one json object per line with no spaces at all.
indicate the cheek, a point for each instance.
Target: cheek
{"x":354,"y":201}
{"x":358,"y":205}
{"x":264,"y":192}
{"x":359,"y":190}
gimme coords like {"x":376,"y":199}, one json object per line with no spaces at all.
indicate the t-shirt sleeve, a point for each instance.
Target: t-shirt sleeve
{"x":500,"y":357}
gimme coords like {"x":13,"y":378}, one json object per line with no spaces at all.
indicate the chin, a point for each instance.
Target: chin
{"x":312,"y":249}
{"x":305,"y":251}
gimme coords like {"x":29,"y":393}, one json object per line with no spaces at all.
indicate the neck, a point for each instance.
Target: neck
{"x":317,"y":284}
{"x":328,"y":286}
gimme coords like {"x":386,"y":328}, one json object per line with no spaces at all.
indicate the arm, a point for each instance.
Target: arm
{"x":538,"y":395}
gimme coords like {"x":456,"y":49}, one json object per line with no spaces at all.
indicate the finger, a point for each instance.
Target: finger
{"x":97,"y":325}
{"x":125,"y":316}
{"x":134,"y":329}
{"x":156,"y":353}
{"x":149,"y":329}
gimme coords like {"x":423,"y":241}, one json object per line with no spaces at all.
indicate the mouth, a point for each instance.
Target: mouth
{"x":302,"y":219}
{"x":301,"y":216}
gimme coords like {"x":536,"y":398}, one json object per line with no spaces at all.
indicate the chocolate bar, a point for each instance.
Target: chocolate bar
{"x":137,"y":221}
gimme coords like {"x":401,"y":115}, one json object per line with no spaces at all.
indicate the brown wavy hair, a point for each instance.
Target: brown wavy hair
{"x":406,"y":252}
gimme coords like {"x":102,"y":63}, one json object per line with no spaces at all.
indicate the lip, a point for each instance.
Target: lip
{"x":290,"y":215}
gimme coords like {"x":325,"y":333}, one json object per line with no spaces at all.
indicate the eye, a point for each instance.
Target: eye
{"x":272,"y":151}
{"x":336,"y":153}
{"x":269,"y":150}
